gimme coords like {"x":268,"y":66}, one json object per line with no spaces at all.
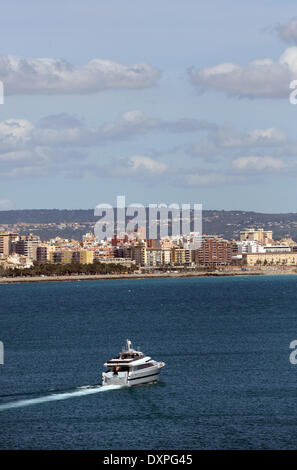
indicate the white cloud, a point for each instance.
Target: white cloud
{"x":228,"y":137}
{"x":258,"y":163}
{"x":187,"y":125}
{"x":261,"y":78}
{"x":288,"y":32}
{"x":62,"y":144}
{"x":38,"y":161}
{"x":64,"y":130}
{"x":240,"y":171}
{"x":225,"y":139}
{"x":134,"y":116}
{"x":56,"y":76}
{"x":263,"y":137}
{"x":60,"y":121}
{"x":5,"y":205}
{"x":129,"y":123}
{"x":138,"y":165}
{"x":140,"y":162}
{"x":135,"y":122}
{"x":15,"y":129}
{"x":15,"y":134}
{"x":207,"y":179}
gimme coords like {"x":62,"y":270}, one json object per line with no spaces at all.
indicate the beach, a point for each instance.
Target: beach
{"x":101,"y":277}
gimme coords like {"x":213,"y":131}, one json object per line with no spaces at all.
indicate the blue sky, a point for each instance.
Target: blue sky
{"x":160,"y":101}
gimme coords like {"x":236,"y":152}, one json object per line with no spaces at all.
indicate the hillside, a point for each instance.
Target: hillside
{"x":74,"y":223}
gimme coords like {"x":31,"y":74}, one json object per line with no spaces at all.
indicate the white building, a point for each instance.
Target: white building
{"x":277,"y":248}
{"x":250,"y":246}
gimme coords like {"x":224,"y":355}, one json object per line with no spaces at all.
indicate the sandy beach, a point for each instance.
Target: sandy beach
{"x":101,"y":277}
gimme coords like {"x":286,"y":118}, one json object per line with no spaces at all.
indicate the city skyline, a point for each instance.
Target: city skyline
{"x":28,"y":255}
{"x":162,"y":103}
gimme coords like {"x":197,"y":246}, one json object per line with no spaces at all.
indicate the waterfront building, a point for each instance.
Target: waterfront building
{"x":250,"y":246}
{"x":151,"y":243}
{"x":6,"y":240}
{"x":119,"y":241}
{"x":139,"y":254}
{"x":166,"y":243}
{"x":102,"y":252}
{"x":16,"y":261}
{"x":154,"y":257}
{"x":166,"y":256}
{"x":26,"y":245}
{"x":189,"y":257}
{"x":71,"y":256}
{"x":214,"y":251}
{"x":178,"y":256}
{"x":41,"y":254}
{"x":277,"y":249}
{"x":122,"y":261}
{"x":86,"y":256}
{"x":124,"y":251}
{"x":67,"y":256}
{"x":55,"y":257}
{"x":264,"y":237}
{"x":288,"y":241}
{"x":270,"y":259}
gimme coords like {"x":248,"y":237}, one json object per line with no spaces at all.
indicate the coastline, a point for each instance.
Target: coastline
{"x":102,"y":277}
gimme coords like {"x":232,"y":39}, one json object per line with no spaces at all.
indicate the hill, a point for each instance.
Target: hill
{"x":49,"y":223}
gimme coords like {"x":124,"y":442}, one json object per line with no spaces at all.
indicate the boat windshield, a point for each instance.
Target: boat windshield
{"x":130,"y":355}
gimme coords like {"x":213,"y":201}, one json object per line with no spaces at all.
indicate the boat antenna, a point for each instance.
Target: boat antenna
{"x":128,"y":344}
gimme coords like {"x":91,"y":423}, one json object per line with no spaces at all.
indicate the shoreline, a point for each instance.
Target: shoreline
{"x":107,"y":277}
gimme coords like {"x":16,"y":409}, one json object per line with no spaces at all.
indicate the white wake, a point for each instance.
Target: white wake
{"x":81,"y":391}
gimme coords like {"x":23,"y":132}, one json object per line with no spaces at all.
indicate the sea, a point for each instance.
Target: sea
{"x":228,"y":382}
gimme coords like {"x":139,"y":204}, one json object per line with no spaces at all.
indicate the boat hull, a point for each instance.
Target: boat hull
{"x":140,"y":379}
{"x":132,"y":378}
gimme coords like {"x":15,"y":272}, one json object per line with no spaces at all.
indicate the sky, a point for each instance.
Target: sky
{"x":163,"y":102}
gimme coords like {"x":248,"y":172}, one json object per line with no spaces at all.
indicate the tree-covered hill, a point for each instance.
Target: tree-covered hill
{"x":73,"y":223}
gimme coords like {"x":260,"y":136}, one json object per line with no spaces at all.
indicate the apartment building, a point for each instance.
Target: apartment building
{"x":26,"y":245}
{"x":166,"y":256}
{"x":154,"y":257}
{"x":6,"y":239}
{"x":178,"y":256}
{"x":71,"y":256}
{"x":102,"y":252}
{"x":41,"y":254}
{"x":264,"y":237}
{"x":124,"y":251}
{"x":270,"y":259}
{"x":214,"y":251}
{"x":139,"y":254}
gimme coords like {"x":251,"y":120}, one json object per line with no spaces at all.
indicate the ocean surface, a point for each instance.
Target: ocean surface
{"x":227,"y":384}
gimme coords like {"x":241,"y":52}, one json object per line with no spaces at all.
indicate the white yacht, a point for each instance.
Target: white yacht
{"x":131,"y":367}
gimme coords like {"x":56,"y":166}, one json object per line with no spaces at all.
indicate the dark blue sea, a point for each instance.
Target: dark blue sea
{"x":227,"y":384}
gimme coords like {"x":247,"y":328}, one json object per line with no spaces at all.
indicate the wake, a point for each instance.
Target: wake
{"x":79,"y":392}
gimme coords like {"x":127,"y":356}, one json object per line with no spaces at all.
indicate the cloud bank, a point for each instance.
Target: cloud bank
{"x":62,"y":145}
{"x":261,"y":78}
{"x":288,"y":32}
{"x":48,"y":76}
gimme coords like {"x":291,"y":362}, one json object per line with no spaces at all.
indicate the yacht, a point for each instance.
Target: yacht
{"x":131,"y":367}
